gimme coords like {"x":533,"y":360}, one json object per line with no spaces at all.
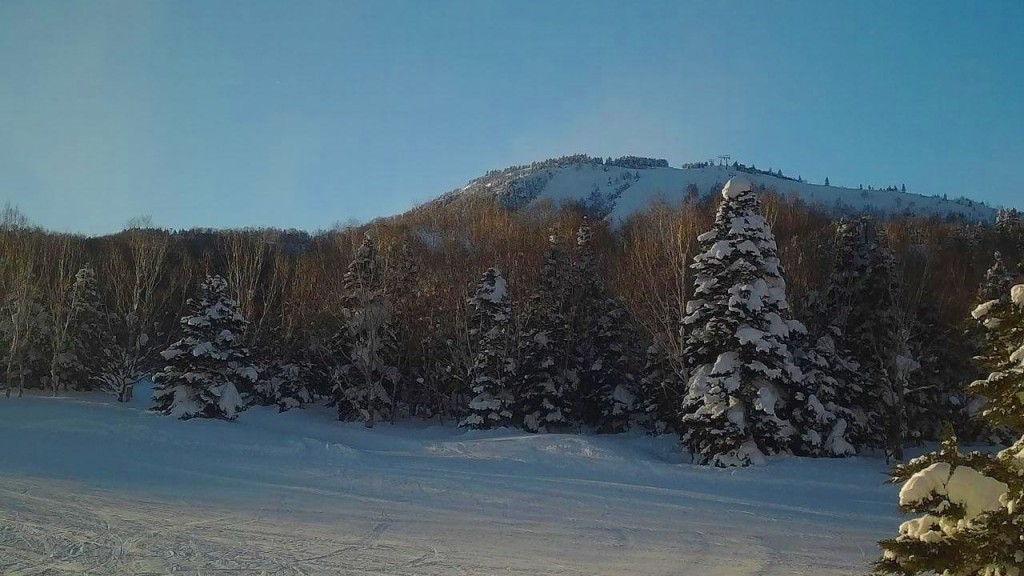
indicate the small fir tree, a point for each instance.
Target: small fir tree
{"x":824,"y":400}
{"x":547,"y":382}
{"x":286,"y":378}
{"x":208,"y":364}
{"x":661,"y":391}
{"x":366,"y":383}
{"x":997,"y":282}
{"x":492,"y":371}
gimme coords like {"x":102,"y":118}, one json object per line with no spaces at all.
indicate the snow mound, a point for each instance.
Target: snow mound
{"x":983,"y":309}
{"x":975,"y":491}
{"x":736,"y":186}
{"x":1017,"y":295}
{"x":964,"y":485}
{"x":930,"y":481}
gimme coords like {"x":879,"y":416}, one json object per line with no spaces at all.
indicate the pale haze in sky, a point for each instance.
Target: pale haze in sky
{"x":303,"y":114}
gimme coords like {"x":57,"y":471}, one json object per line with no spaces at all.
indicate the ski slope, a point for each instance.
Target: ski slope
{"x":619,"y":192}
{"x":89,"y":485}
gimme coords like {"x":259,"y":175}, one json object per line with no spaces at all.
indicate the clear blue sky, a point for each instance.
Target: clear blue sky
{"x":302,"y":114}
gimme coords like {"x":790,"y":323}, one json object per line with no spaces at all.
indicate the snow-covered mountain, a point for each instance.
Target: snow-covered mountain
{"x":619,"y":189}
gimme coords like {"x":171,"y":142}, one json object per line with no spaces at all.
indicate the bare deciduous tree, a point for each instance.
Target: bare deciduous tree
{"x":134,"y":274}
{"x":63,"y":302}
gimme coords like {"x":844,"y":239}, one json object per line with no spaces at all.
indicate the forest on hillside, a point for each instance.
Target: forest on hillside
{"x":537,"y":318}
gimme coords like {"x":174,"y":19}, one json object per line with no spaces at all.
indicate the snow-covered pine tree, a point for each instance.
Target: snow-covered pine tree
{"x":1007,"y":220}
{"x":207,"y":365}
{"x":93,"y":339}
{"x":738,"y":331}
{"x":660,"y":391}
{"x":603,"y":346}
{"x":285,"y":379}
{"x":855,"y":241}
{"x":368,"y":380}
{"x":860,"y":313}
{"x":822,"y":413}
{"x":968,"y":507}
{"x":998,"y":280}
{"x":1004,"y":357}
{"x":493,"y":368}
{"x":613,"y":390}
{"x":879,"y":340}
{"x":547,"y":384}
{"x":935,"y":392}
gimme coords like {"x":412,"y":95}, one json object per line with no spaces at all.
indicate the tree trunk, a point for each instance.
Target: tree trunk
{"x":54,"y":379}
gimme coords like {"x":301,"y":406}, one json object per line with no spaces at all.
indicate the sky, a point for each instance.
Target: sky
{"x":308,"y":114}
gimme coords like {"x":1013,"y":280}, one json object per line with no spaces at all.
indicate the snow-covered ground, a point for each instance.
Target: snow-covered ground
{"x":89,"y":485}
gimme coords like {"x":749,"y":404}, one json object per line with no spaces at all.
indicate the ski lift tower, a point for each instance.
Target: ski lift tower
{"x":723,"y":160}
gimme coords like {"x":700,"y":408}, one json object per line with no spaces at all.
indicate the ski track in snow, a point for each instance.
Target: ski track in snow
{"x":87,"y":486}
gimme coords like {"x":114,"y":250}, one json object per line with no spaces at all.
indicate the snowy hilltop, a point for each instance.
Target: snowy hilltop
{"x":618,"y":188}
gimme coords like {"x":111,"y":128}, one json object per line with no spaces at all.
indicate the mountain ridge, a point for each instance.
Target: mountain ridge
{"x":615,"y":189}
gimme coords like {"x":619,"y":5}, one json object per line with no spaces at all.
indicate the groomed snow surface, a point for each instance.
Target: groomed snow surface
{"x":87,"y":485}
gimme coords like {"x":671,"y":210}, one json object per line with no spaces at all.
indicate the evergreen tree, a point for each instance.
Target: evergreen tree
{"x":861,"y":314}
{"x":286,"y":378}
{"x":738,"y":331}
{"x":936,"y":394}
{"x":366,"y":383}
{"x":997,"y":282}
{"x":207,"y":365}
{"x":660,"y":391}
{"x":1004,"y":357}
{"x":878,"y":340}
{"x":824,"y":400}
{"x":491,"y":375}
{"x":547,"y":382}
{"x":855,"y":241}
{"x":612,"y":401}
{"x":603,"y":344}
{"x":94,"y":340}
{"x":969,"y":506}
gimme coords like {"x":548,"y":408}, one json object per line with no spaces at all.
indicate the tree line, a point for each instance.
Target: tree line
{"x":749,"y":324}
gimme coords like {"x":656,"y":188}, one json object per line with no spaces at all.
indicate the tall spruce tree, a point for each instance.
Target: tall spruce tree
{"x":739,"y":328}
{"x":879,"y":340}
{"x":493,"y":369}
{"x":367,"y":382}
{"x":546,"y":380}
{"x":94,"y":340}
{"x":968,"y":506}
{"x":860,"y":313}
{"x":603,"y":346}
{"x":208,"y":364}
